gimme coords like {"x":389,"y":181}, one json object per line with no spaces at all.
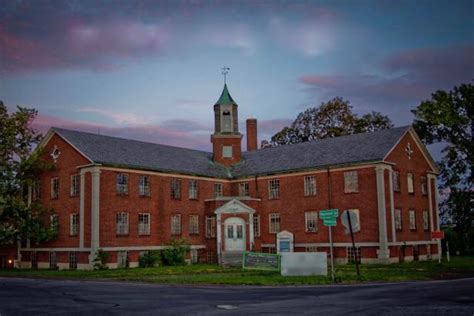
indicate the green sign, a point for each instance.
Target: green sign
{"x":328,"y":213}
{"x":261,"y":261}
{"x":329,"y":222}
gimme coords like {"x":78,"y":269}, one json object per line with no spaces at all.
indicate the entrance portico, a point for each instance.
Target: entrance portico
{"x":234,"y":228}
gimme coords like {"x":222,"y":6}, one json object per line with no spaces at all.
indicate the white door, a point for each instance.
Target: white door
{"x":234,"y":234}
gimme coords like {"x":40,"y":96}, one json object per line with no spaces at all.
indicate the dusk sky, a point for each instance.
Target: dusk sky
{"x":151,"y":70}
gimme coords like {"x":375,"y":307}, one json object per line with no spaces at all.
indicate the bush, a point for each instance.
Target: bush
{"x":100,"y":261}
{"x":175,"y":252}
{"x":150,"y":259}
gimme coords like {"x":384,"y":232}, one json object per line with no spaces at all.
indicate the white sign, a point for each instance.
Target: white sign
{"x":284,"y":242}
{"x":354,"y":214}
{"x":304,"y":263}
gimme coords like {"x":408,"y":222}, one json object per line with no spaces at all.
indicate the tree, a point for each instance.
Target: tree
{"x":19,"y":170}
{"x":448,"y":118}
{"x":331,"y":119}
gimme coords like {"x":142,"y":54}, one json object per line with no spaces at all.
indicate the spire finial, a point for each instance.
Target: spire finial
{"x":225,"y":71}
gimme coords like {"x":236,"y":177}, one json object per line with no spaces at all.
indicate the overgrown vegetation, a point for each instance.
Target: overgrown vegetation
{"x":100,"y":261}
{"x":175,"y":252}
{"x":150,"y":259}
{"x":214,"y":274}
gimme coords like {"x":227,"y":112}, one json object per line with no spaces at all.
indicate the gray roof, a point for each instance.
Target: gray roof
{"x":357,"y":148}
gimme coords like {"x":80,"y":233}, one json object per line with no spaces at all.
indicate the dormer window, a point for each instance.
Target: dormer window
{"x":226,"y":121}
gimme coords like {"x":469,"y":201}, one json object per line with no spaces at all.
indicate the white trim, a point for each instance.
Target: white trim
{"x":382,"y":252}
{"x":234,"y":206}
{"x":141,"y":248}
{"x":69,"y":249}
{"x":50,"y":134}
{"x":95,"y":211}
{"x":392,"y":204}
{"x":82,"y":191}
{"x":229,"y":198}
{"x":360,"y":244}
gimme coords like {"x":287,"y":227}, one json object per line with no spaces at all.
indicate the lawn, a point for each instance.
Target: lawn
{"x":214,"y":274}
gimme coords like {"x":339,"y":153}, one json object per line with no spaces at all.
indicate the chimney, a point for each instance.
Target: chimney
{"x":252,"y":134}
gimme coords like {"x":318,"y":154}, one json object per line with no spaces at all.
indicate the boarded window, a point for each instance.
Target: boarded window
{"x":274,"y":189}
{"x":410,"y":183}
{"x":144,"y":224}
{"x":396,"y":181}
{"x":75,"y":184}
{"x":176,"y":224}
{"x":176,"y":189}
{"x":311,"y":222}
{"x":74,"y":224}
{"x":310,"y":186}
{"x":274,"y":227}
{"x":244,"y":189}
{"x":218,"y":189}
{"x":256,"y":225}
{"x":412,"y":220}
{"x":122,"y":183}
{"x":194,"y":224}
{"x":54,"y":188}
{"x":121,"y":221}
{"x":193,"y":189}
{"x":351,"y":182}
{"x":398,"y":219}
{"x":144,"y":185}
{"x":210,"y":226}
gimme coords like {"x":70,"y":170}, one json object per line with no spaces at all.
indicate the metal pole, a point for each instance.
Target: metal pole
{"x":332,"y":253}
{"x":353,"y":243}
{"x":447,"y":251}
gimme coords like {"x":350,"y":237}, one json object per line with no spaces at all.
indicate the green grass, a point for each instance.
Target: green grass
{"x":214,"y":274}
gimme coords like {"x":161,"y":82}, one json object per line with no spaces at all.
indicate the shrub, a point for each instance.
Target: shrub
{"x":150,"y":259}
{"x":175,"y":252}
{"x":100,"y":261}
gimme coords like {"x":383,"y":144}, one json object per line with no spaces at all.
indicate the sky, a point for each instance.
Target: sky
{"x":151,"y":70}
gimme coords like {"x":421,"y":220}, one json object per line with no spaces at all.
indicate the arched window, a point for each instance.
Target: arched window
{"x":226,"y":121}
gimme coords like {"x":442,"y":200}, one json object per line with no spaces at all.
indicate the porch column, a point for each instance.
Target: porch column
{"x":251,"y":231}
{"x":81,"y":208}
{"x":392,"y":204}
{"x":219,"y":238}
{"x":435,"y":181}
{"x":430,"y":201}
{"x":383,"y":251}
{"x":95,"y":210}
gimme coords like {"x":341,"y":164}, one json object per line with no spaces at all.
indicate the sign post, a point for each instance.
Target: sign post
{"x":439,"y":234}
{"x":329,"y":218}
{"x":353,"y":243}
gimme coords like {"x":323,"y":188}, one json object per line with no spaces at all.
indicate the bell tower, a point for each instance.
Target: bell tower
{"x":226,"y":140}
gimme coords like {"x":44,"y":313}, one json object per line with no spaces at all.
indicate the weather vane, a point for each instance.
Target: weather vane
{"x":225,"y":71}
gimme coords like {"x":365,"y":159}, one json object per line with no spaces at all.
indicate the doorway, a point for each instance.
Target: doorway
{"x":234,"y":229}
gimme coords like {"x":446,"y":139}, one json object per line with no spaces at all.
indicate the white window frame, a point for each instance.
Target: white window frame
{"x":144,"y":223}
{"x":273,"y":189}
{"x":311,"y":222}
{"x":176,"y":224}
{"x":193,"y":224}
{"x":256,"y":225}
{"x":351,"y":181}
{"x":426,"y":221}
{"x":75,"y":185}
{"x":121,"y":223}
{"x":424,"y":185}
{"x":410,"y":184}
{"x":54,"y":221}
{"x":175,"y":189}
{"x":412,"y":215}
{"x":244,"y":189}
{"x":53,"y":260}
{"x":218,"y":189}
{"x":210,"y":226}
{"x":353,"y":254}
{"x":274,"y":223}
{"x":74,"y":224}
{"x":396,"y":181}
{"x":54,"y":188}
{"x":227,"y":152}
{"x":144,"y":185}
{"x":122,"y":183}
{"x":311,"y":249}
{"x":398,"y":219}
{"x":193,"y":189}
{"x":72,"y":260}
{"x":310,"y":188}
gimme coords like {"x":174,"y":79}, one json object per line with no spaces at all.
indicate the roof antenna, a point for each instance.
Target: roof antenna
{"x":225,"y":71}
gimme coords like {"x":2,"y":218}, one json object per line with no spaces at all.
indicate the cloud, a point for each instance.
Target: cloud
{"x":402,"y":81}
{"x":117,"y":117}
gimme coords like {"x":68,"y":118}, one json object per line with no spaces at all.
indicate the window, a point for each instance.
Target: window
{"x":74,"y":224}
{"x":311,"y":249}
{"x":227,"y":151}
{"x":426,"y":225}
{"x":193,"y":253}
{"x":424,"y":186}
{"x":398,"y":219}
{"x":412,"y":220}
{"x":144,"y":186}
{"x":176,"y":224}
{"x":309,"y":186}
{"x":176,"y":189}
{"x":54,"y":188}
{"x":218,"y":190}
{"x":256,"y":225}
{"x":396,"y":181}
{"x":273,"y":189}
{"x":410,"y":182}
{"x":75,"y":184}
{"x":36,"y":191}
{"x":211,"y":257}
{"x":353,"y":254}
{"x":244,"y":189}
{"x":122,"y":223}
{"x":72,"y":260}
{"x":144,"y":224}
{"x":193,"y":189}
{"x":227,"y":121}
{"x":274,"y":223}
{"x":122,"y":183}
{"x":53,"y":264}
{"x":194,"y":224}
{"x":54,"y":221}
{"x":210,"y":226}
{"x":311,"y":221}
{"x":122,"y":259}
{"x":351,"y":183}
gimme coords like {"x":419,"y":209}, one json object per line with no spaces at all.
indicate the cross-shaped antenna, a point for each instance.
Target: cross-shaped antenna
{"x":225,"y":71}
{"x":408,"y":150}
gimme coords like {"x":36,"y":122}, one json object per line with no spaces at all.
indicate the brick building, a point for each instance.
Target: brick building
{"x":125,"y":196}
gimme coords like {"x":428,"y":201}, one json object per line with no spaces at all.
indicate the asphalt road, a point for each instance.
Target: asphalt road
{"x":45,"y":296}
